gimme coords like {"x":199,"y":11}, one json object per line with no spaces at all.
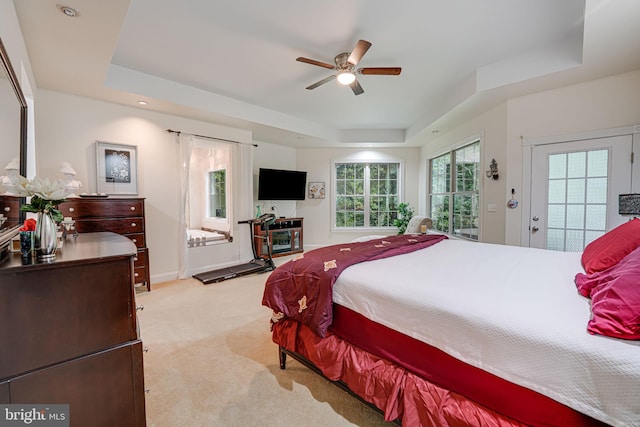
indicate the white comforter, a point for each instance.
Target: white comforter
{"x":512,"y":311}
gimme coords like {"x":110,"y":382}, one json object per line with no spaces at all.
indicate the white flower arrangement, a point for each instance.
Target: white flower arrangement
{"x":45,"y":195}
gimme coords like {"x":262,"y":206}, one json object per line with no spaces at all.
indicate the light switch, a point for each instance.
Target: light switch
{"x":492,"y":207}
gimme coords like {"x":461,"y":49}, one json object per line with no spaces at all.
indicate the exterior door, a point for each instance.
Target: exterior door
{"x":574,"y":191}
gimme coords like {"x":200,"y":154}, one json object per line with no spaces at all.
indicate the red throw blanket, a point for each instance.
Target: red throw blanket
{"x":302,"y":289}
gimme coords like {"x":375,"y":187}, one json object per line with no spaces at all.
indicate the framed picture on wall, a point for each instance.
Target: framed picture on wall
{"x":316,"y":190}
{"x":117,"y":168}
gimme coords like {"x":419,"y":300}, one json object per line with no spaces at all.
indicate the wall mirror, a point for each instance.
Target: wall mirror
{"x":13,"y":141}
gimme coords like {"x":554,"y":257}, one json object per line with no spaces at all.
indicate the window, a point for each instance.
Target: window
{"x":210,"y":199}
{"x":576,"y":199}
{"x":217,"y":194}
{"x":366,"y":194}
{"x":455,"y":191}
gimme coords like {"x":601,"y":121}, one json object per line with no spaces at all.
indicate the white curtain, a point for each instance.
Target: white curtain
{"x":242,"y":191}
{"x":242,"y":159}
{"x":186,"y":145}
{"x":241,"y":199}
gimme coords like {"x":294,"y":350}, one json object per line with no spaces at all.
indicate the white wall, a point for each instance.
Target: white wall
{"x":599,"y":104}
{"x":273,"y":156}
{"x":67,"y":127}
{"x":317,"y":212}
{"x":491,"y":127}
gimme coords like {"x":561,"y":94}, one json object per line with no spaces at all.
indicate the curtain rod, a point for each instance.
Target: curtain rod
{"x":211,"y":137}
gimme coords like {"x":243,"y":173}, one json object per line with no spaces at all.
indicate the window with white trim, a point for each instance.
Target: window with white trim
{"x":454,"y":194}
{"x":366,"y":194}
{"x":217,"y":194}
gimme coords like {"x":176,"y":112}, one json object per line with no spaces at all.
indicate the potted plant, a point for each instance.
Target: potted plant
{"x":405,"y":212}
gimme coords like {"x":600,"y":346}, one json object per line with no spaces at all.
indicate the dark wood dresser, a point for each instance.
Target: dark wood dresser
{"x":69,"y":332}
{"x":120,"y":215}
{"x":10,"y":208}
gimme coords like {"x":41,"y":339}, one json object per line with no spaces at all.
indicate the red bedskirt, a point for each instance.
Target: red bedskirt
{"x":412,"y":381}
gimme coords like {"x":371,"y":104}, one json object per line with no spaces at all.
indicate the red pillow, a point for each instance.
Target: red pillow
{"x":615,"y":298}
{"x":607,"y":250}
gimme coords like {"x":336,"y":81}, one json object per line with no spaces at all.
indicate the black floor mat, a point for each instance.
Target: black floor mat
{"x":226,"y":273}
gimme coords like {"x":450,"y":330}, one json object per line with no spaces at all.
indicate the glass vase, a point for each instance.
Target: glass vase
{"x":46,"y":238}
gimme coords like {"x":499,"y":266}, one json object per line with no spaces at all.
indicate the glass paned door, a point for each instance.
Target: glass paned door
{"x":574,"y":191}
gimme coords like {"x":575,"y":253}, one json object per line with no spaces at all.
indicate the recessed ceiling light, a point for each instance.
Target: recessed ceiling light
{"x":69,"y":11}
{"x":143,"y":102}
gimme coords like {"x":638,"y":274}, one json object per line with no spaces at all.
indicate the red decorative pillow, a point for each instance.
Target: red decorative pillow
{"x":607,"y":250}
{"x":615,"y":298}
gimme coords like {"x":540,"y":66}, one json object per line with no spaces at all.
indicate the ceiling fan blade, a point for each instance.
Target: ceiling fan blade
{"x":321,"y":82}
{"x":314,"y":62}
{"x":381,"y":71}
{"x":358,"y":52}
{"x":356,"y":88}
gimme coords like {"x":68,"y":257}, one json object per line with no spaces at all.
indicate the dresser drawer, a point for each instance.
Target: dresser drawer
{"x":139,"y":275}
{"x":10,"y":209}
{"x":138,"y":239}
{"x":79,"y":208}
{"x":141,"y":266}
{"x":140,"y":260}
{"x":116,"y":225}
{"x":120,"y":215}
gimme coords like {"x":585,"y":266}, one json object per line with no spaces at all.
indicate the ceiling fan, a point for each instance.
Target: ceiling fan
{"x":346,"y":67}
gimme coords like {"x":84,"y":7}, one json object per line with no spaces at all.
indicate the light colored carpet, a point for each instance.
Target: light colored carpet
{"x":211,"y":362}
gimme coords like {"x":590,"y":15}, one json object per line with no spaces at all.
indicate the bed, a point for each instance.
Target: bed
{"x":437,"y":331}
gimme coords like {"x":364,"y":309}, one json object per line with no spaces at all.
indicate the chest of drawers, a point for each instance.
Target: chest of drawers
{"x":119,"y":215}
{"x":70,"y":332}
{"x":10,"y":209}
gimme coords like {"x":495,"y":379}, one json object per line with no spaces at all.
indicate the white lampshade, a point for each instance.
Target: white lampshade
{"x":346,"y":78}
{"x":14,"y":164}
{"x":67,"y":169}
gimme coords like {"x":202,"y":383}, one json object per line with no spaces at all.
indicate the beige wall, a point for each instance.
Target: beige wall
{"x":273,"y":156}
{"x":317,"y":212}
{"x":595,"y":105}
{"x":491,"y":127}
{"x":67,"y":127}
{"x":599,"y":104}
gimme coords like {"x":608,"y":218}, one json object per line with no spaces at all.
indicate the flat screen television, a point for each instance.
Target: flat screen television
{"x":279,"y":184}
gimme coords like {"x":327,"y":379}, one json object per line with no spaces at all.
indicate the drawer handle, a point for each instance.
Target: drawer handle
{"x":134,"y":240}
{"x":133,"y":208}
{"x":135,"y":259}
{"x":133,"y":224}
{"x":7,"y":208}
{"x":140,"y":307}
{"x":136,"y":274}
{"x":72,"y":209}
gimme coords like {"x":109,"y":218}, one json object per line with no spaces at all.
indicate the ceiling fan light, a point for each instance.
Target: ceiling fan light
{"x":346,"y":78}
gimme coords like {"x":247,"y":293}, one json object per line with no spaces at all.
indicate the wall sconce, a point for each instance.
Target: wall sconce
{"x":493,"y":170}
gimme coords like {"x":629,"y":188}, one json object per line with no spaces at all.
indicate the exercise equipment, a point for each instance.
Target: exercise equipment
{"x":256,"y":265}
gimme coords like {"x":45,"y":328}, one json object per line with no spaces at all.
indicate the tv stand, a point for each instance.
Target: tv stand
{"x":285,"y":237}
